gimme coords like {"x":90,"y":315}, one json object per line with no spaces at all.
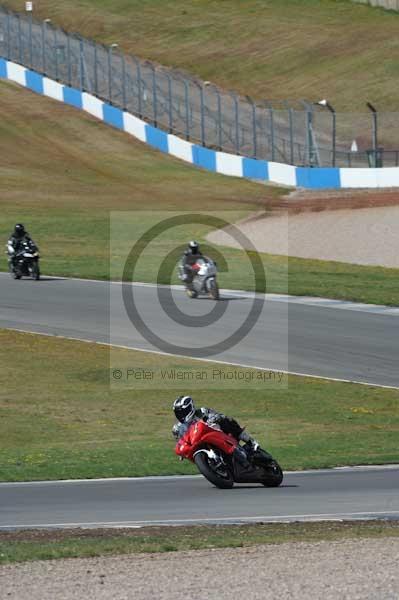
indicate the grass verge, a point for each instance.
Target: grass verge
{"x":43,"y":545}
{"x":272,"y":49}
{"x":60,"y":419}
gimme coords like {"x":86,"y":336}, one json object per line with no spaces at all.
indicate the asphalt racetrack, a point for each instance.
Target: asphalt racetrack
{"x":353,"y":493}
{"x":322,"y":338}
{"x":309,"y":336}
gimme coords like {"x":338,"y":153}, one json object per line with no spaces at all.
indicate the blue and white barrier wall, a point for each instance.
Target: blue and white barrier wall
{"x":219,"y":162}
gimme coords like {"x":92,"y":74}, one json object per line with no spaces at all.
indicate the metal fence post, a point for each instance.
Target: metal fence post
{"x":254,"y":132}
{"x":56,"y":54}
{"x":375,"y":132}
{"x":219,"y":109}
{"x":309,"y":142}
{"x":69,"y":60}
{"x":123,"y":82}
{"x":170,"y":102}
{"x":138,"y":77}
{"x":202,"y":109}
{"x":30,"y":41}
{"x":290,"y":117}
{"x":81,"y":65}
{"x":236,"y":124}
{"x":331,"y":109}
{"x":44,"y":47}
{"x":110,"y":74}
{"x":95,"y":71}
{"x":187,"y":103}
{"x":334,"y":134}
{"x":8,"y":37}
{"x":19,"y":40}
{"x":154,"y":96}
{"x":271,"y":115}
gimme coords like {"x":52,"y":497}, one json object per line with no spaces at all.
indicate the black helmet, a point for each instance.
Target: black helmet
{"x":184,"y":408}
{"x":194,"y":247}
{"x":19,"y":230}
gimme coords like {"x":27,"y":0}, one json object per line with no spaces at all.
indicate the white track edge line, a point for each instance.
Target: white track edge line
{"x":369,"y":515}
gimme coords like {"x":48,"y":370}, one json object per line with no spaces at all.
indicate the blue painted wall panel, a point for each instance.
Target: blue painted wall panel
{"x":202,"y":157}
{"x":3,"y":68}
{"x":255,"y":169}
{"x":157,"y":138}
{"x":34,"y":81}
{"x":318,"y":177}
{"x":72,"y":97}
{"x":113,"y":116}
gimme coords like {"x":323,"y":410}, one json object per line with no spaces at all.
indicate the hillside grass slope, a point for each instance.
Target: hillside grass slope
{"x":274,"y":49}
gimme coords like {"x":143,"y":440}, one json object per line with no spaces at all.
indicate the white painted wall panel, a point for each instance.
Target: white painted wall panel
{"x":16,"y":73}
{"x":358,"y":178}
{"x":229,"y":164}
{"x":134,"y":126}
{"x":92,"y":105}
{"x":284,"y":174}
{"x":53,"y":89}
{"x":180,"y":148}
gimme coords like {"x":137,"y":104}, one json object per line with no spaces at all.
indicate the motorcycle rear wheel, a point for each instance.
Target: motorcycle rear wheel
{"x":275,"y":475}
{"x":204,"y":467}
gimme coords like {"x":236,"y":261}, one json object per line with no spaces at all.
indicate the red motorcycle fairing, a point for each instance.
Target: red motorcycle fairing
{"x":200,"y":435}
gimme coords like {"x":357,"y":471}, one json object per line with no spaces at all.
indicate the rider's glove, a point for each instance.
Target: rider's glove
{"x":175,"y":431}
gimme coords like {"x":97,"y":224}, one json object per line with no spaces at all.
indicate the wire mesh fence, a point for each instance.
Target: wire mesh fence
{"x":297,"y":133}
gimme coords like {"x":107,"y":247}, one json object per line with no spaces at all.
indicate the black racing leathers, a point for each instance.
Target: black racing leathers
{"x":226,"y":424}
{"x":14,"y":245}
{"x":189,"y":259}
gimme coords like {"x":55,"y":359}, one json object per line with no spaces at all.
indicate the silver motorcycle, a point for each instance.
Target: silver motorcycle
{"x":203,"y":280}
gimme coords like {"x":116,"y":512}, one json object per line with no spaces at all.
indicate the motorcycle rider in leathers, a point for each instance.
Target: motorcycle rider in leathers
{"x":186,"y":412}
{"x":14,"y":243}
{"x":190,"y":257}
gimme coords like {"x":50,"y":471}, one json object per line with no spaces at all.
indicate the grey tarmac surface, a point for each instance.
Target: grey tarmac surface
{"x":297,"y":336}
{"x":316,"y":495}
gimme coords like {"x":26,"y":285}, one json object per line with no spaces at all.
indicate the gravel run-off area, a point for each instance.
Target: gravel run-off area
{"x":361,"y":569}
{"x":364,"y":236}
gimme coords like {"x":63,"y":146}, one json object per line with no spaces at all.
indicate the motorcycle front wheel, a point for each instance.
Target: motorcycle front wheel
{"x":191,"y":293}
{"x":13,"y":273}
{"x":35,"y":271}
{"x":214,"y":290}
{"x":221,"y":479}
{"x":274,"y":475}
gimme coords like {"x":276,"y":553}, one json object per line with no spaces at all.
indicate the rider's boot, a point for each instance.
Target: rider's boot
{"x":241,"y":457}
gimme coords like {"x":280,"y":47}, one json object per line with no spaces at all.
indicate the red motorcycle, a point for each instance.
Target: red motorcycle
{"x":213,"y":451}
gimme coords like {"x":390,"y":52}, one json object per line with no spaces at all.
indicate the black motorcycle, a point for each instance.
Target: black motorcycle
{"x":26,"y":261}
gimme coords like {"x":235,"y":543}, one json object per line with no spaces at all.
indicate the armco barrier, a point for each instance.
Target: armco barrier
{"x":219,"y":162}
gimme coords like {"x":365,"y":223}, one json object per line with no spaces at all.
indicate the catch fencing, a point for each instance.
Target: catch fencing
{"x":386,"y":4}
{"x":297,"y":133}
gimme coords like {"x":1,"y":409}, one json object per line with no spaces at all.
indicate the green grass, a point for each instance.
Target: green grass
{"x":62,"y":173}
{"x":61,"y":419}
{"x":42,"y":545}
{"x":272,"y":49}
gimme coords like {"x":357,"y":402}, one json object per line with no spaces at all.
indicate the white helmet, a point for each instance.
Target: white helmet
{"x":184,"y":408}
{"x":194,"y":246}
